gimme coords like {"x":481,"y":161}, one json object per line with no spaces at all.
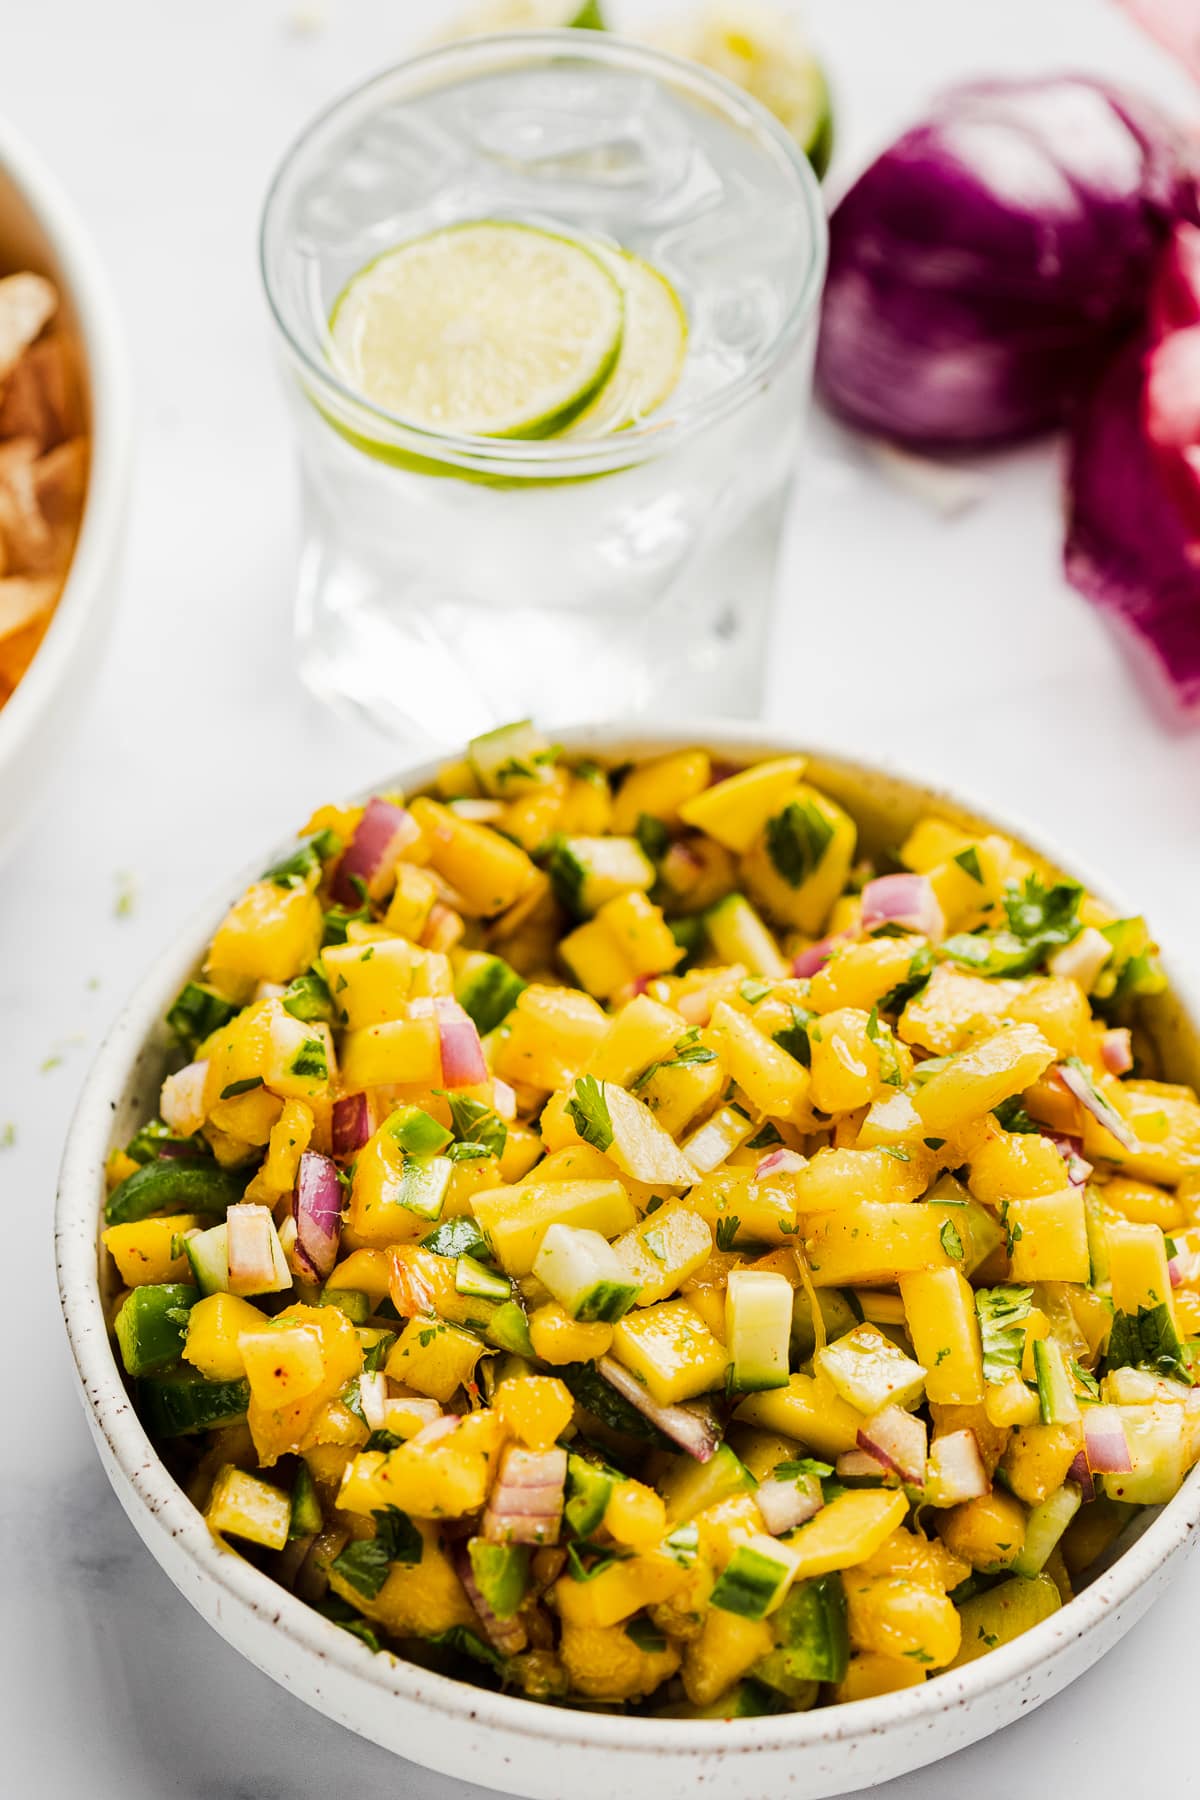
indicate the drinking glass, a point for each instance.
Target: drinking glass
{"x":448,"y":583}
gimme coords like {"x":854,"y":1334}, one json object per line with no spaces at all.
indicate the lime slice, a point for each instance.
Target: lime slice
{"x":528,"y":15}
{"x":764,"y":52}
{"x":488,"y":329}
{"x":653,"y":348}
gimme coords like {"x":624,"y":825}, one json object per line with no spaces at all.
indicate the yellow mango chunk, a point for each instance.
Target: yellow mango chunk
{"x":1137,"y":1266}
{"x":774,"y":1082}
{"x":979,"y":1078}
{"x":444,"y":1478}
{"x":643,"y":1032}
{"x":668,"y":1347}
{"x":516,"y":1219}
{"x":726,"y":1648}
{"x":418,"y":1599}
{"x":847,"y":1531}
{"x":657,"y":789}
{"x":797,"y":866}
{"x":845,"y":1061}
{"x":488,"y":872}
{"x":142,"y":1250}
{"x":871,"y":1245}
{"x":868,"y":1674}
{"x":536,"y":1408}
{"x":605,"y":1663}
{"x":952,"y":1008}
{"x":1049,"y":1237}
{"x":213,"y":1328}
{"x":734,"y":811}
{"x":939,"y":1306}
{"x":859,"y":975}
{"x":664,"y":1249}
{"x":551,"y":1034}
{"x":434,"y":1358}
{"x":558,"y":1338}
{"x":619,"y":1590}
{"x":809,"y":1410}
{"x":270,"y":934}
{"x":893,"y":1616}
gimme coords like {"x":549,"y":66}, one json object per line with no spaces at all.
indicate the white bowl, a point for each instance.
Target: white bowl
{"x":498,"y":1740}
{"x":40,"y":230}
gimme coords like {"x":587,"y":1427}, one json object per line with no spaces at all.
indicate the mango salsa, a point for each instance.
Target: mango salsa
{"x":542,"y":1275}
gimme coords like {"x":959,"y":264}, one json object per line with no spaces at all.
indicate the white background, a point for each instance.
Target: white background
{"x":951,"y":645}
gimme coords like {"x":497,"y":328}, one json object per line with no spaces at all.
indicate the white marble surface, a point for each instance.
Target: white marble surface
{"x":952,"y":644}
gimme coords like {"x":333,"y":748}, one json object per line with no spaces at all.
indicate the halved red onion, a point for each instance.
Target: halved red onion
{"x":463,"y":1063}
{"x":899,"y":1440}
{"x":508,"y":1636}
{"x":1116,"y":1051}
{"x":957,"y":1466}
{"x":1089,"y":1096}
{"x":812,"y":961}
{"x":1071,"y":1151}
{"x":353,"y":1123}
{"x":693,"y":1429}
{"x":525,"y":1506}
{"x":779,"y":1162}
{"x":1081,"y":1475}
{"x":784,"y":1504}
{"x":317,"y":1210}
{"x":380,"y":838}
{"x":907,"y":900}
{"x":1105,"y":1441}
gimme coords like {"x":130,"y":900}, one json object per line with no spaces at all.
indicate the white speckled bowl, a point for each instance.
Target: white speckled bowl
{"x":495,"y":1739}
{"x":39,"y":230}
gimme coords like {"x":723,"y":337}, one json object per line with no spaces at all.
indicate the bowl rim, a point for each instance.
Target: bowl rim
{"x":247,"y":1590}
{"x":85,"y":284}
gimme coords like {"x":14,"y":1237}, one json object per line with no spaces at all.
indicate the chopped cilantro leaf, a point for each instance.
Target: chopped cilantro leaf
{"x":589,"y":1112}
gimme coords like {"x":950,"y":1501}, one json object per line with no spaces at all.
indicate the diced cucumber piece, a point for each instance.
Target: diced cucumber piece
{"x":584,"y":1273}
{"x":1043,"y":1528}
{"x":588,"y":1489}
{"x":457,"y":1237}
{"x":587,"y":872}
{"x":501,"y":1573}
{"x":470,"y":1277}
{"x":307,"y":1519}
{"x":508,"y":1329}
{"x":1157,"y":1438}
{"x":840,"y":1313}
{"x":175,"y":1405}
{"x":152,"y":1324}
{"x":754,"y":1579}
{"x":173,"y":1184}
{"x":690,"y":1487}
{"x":1056,"y":1391}
{"x":356,"y":1306}
{"x":243,"y":1506}
{"x":1094,"y":1222}
{"x":417,"y":1132}
{"x":487,"y":989}
{"x":197,"y":1012}
{"x":738,"y":935}
{"x":758,"y":1329}
{"x":511,"y":760}
{"x":812,"y":1630}
{"x":423,"y":1185}
{"x":309,"y":1000}
{"x":208,"y":1254}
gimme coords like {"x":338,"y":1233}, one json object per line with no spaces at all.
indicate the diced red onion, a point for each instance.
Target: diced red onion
{"x":693,"y":1430}
{"x":1116,"y":1051}
{"x":436,"y":1429}
{"x":504,"y":1100}
{"x":443,"y":928}
{"x":697,"y":1006}
{"x":373,"y":1397}
{"x":1090,"y":1098}
{"x":1175,"y":1271}
{"x":380,"y":838}
{"x":784,"y":1504}
{"x":1081,"y":1475}
{"x":779,"y":1162}
{"x":1082,"y":959}
{"x":907,"y":900}
{"x":173,"y":1148}
{"x":1071,"y":1151}
{"x":812,"y":961}
{"x":463,"y":1062}
{"x":1105,"y":1441}
{"x":899,"y":1440}
{"x":181,"y":1102}
{"x":525,"y":1506}
{"x":508,"y":1636}
{"x":317,"y":1210}
{"x":250,"y":1243}
{"x":956,"y":1461}
{"x":353,"y":1123}
{"x":861,"y":1465}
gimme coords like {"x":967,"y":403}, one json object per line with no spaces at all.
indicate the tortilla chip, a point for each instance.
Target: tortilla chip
{"x":27,"y":304}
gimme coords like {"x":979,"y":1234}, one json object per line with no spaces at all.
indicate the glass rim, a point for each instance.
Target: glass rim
{"x":547,"y":457}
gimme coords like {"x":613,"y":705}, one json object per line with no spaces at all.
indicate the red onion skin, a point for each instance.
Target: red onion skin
{"x":1116,"y":1052}
{"x":1105,"y":1443}
{"x":811,"y":961}
{"x":352,"y":1124}
{"x":692,"y":1431}
{"x":907,"y":900}
{"x":898,"y":1440}
{"x":1110,"y":1121}
{"x":380,"y":835}
{"x":1082,"y":1476}
{"x":954,"y":312}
